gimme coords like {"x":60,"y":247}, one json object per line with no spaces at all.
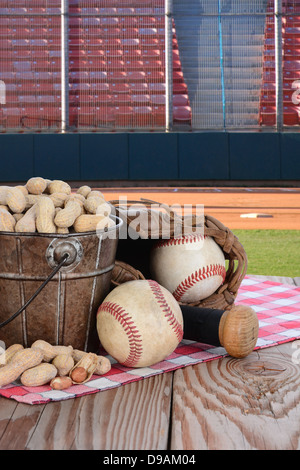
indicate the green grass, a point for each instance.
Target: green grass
{"x":271,"y":252}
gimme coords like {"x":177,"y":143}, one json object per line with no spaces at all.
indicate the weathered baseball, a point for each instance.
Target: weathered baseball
{"x":139,"y":323}
{"x":191,"y":267}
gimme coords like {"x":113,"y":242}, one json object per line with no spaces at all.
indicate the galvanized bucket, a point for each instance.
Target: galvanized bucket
{"x":63,"y":311}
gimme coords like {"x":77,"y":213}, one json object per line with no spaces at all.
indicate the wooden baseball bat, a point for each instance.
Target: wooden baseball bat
{"x":236,"y":330}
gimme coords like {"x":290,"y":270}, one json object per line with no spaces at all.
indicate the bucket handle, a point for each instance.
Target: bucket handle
{"x":61,"y":262}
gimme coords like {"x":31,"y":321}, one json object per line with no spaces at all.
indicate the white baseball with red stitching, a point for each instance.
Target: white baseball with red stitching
{"x":139,"y":323}
{"x":191,"y":267}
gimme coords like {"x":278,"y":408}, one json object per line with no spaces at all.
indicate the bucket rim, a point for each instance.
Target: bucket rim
{"x":119,"y":223}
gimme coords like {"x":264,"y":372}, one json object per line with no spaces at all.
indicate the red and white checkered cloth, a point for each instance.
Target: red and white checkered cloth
{"x":278,"y":309}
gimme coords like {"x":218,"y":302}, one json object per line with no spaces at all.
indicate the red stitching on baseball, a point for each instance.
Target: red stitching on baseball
{"x":169,"y":315}
{"x":180,"y":240}
{"x":193,"y":279}
{"x":133,"y":334}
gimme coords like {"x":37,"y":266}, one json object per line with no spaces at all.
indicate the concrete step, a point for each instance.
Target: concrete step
{"x":207,"y":70}
{"x":239,"y":108}
{"x":210,"y":7}
{"x":216,"y":121}
{"x":238,"y":95}
{"x":209,"y":84}
{"x":232,"y":50}
{"x":212,"y":40}
{"x":242,"y":53}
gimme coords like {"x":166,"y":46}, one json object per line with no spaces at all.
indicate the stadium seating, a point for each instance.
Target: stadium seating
{"x":116,"y":65}
{"x":291,"y":67}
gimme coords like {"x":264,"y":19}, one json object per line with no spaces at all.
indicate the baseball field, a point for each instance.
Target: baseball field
{"x":266,"y":220}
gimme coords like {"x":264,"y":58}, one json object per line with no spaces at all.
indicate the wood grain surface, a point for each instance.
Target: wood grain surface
{"x":225,"y":404}
{"x":135,"y":416}
{"x":238,"y":404}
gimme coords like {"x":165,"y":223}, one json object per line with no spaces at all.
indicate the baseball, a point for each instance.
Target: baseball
{"x":139,"y":323}
{"x":191,"y":267}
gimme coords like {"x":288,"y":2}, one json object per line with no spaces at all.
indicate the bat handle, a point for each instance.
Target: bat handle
{"x":235,"y":329}
{"x":238,"y":330}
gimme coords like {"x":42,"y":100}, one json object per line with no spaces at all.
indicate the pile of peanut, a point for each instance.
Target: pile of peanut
{"x":42,"y":364}
{"x":50,"y":206}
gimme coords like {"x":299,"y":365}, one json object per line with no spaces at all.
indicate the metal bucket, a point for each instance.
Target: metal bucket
{"x":64,"y":311}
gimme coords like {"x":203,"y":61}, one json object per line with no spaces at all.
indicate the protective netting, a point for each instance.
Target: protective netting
{"x":115,"y":66}
{"x":103,"y":65}
{"x":30,"y":64}
{"x":290,"y":70}
{"x":221,"y":46}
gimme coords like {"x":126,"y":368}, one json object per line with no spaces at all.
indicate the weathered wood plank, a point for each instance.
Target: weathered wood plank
{"x":251,"y":403}
{"x":297,"y":281}
{"x":239,"y":403}
{"x":17,"y":423}
{"x":228,"y":404}
{"x":134,"y":416}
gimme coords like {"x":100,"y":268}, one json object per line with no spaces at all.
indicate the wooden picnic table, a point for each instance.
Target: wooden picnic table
{"x":226,"y":404}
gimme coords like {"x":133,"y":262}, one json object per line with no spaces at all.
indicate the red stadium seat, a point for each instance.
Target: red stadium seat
{"x":121,"y":99}
{"x":117,"y":88}
{"x":268,"y":116}
{"x":152,"y":64}
{"x":182,"y":114}
{"x":157,"y":88}
{"x":134,"y":65}
{"x":180,"y":88}
{"x":131,"y":42}
{"x":140,"y":99}
{"x":155,"y":76}
{"x":116,"y":64}
{"x":181,"y":100}
{"x":138,"y":87}
{"x":131,"y":54}
{"x":291,"y":115}
{"x":113,"y":53}
{"x":149,"y":42}
{"x":159,"y":116}
{"x":177,"y":76}
{"x":158,"y":100}
{"x":151,"y":54}
{"x":116,"y":76}
{"x":143,"y":116}
{"x":291,"y":65}
{"x":11,"y":117}
{"x":134,"y":76}
{"x":128,"y":21}
{"x":177,"y":67}
{"x":268,"y":99}
{"x":123,"y":116}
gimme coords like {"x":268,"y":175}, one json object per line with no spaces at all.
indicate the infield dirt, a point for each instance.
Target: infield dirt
{"x":236,"y":208}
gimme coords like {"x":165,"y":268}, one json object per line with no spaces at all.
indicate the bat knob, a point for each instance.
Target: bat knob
{"x":238,"y":330}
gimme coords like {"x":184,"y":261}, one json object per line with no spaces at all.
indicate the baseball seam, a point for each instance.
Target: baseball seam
{"x":168,"y":313}
{"x":180,"y":240}
{"x":200,"y":275}
{"x":131,"y":331}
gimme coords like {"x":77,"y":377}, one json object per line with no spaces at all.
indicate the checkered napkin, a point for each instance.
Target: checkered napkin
{"x":278,"y":309}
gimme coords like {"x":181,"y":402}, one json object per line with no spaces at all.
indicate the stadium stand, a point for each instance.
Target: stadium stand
{"x":291,"y":66}
{"x":221,"y":46}
{"x":116,"y":66}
